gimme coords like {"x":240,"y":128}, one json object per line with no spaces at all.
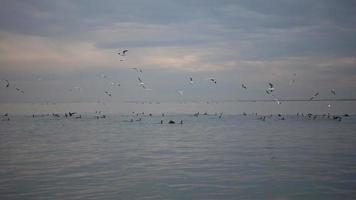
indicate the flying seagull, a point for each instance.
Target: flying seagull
{"x":270,"y":89}
{"x":7,"y":83}
{"x":137,"y":69}
{"x":213,"y":80}
{"x":244,"y":86}
{"x":123,"y":53}
{"x":333,"y":92}
{"x":115,"y":84}
{"x":142,"y":84}
{"x":108,"y":93}
{"x":18,"y":89}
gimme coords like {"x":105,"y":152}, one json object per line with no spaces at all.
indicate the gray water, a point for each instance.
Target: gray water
{"x":235,"y":157}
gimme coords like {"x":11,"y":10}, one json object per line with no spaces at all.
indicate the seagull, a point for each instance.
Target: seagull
{"x":141,"y":82}
{"x":75,"y":88}
{"x":108,"y":93}
{"x":18,"y":89}
{"x":191,"y":80}
{"x":103,"y":76}
{"x":270,"y":89}
{"x":213,"y":80}
{"x":115,"y":84}
{"x":244,"y":86}
{"x":137,"y":69}
{"x":123,"y":53}
{"x":7,"y":83}
{"x":316,"y":94}
{"x":333,"y":92}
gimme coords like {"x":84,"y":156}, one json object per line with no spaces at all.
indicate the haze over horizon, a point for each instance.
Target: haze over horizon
{"x":49,"y":48}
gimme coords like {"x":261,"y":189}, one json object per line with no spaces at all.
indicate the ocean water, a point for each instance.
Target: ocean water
{"x":235,"y":157}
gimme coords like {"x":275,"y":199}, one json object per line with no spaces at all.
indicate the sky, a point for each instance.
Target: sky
{"x":49,"y":49}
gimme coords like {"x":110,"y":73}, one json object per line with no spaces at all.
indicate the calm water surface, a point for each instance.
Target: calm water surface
{"x":235,"y":157}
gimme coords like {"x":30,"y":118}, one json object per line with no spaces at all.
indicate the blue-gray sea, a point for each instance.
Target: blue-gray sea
{"x":235,"y":157}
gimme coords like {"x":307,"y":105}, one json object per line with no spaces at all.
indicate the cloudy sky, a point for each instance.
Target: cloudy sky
{"x":47,"y":48}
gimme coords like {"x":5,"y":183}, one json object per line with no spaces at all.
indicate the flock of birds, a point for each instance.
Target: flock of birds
{"x":270,"y":89}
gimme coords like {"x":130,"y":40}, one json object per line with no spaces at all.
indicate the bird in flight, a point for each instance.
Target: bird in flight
{"x":191,"y":80}
{"x":108,"y":93}
{"x":333,"y":91}
{"x":244,"y":86}
{"x":18,"y":89}
{"x":137,"y":69}
{"x":7,"y":83}
{"x":270,"y":88}
{"x":213,"y":80}
{"x":123,"y":53}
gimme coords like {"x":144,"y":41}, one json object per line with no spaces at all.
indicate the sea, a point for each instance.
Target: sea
{"x":134,"y":156}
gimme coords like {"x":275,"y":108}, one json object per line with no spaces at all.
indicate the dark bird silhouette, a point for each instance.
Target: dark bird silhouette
{"x":244,"y":86}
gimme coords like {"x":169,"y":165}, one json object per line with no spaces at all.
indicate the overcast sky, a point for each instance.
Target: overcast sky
{"x":49,"y":47}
